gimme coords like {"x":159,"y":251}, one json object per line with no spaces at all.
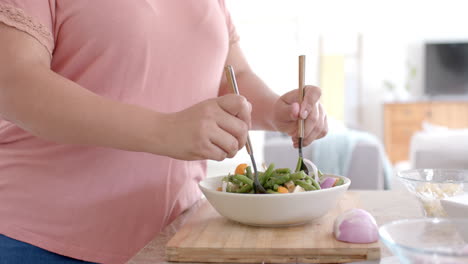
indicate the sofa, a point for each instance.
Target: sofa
{"x":439,"y":147}
{"x":355,"y":154}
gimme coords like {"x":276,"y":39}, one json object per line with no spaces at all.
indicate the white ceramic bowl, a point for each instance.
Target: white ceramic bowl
{"x":272,"y":209}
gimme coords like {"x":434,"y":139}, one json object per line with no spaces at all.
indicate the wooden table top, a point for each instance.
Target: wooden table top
{"x":385,"y":206}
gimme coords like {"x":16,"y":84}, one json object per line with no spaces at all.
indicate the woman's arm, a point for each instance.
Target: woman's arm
{"x":253,"y":88}
{"x":272,"y":112}
{"x":54,"y":108}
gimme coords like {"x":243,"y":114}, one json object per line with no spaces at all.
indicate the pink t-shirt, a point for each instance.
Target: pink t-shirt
{"x":101,"y":204}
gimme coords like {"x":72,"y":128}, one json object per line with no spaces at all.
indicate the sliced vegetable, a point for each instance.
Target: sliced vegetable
{"x":328,"y":182}
{"x":306,"y":186}
{"x":245,"y":189}
{"x":313,"y":182}
{"x":240,"y":169}
{"x":244,"y":179}
{"x":248,"y":172}
{"x":283,"y":170}
{"x":290,"y":186}
{"x":298,"y":175}
{"x":280,"y":178}
{"x":298,"y":165}
{"x":282,"y":189}
{"x":232,"y":187}
{"x":298,"y":189}
{"x":339,"y":182}
{"x":356,"y":226}
{"x":267,"y":174}
{"x":260,"y":176}
{"x":233,"y":180}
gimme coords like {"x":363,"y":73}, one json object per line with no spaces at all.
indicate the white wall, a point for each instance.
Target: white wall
{"x":274,"y":32}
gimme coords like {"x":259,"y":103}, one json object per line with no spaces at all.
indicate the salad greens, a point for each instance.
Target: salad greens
{"x":279,"y":180}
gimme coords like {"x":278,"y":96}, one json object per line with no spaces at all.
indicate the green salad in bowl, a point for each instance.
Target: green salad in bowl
{"x":278,"y":180}
{"x":299,"y":197}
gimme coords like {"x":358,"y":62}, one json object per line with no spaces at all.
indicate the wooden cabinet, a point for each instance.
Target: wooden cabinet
{"x":402,"y":120}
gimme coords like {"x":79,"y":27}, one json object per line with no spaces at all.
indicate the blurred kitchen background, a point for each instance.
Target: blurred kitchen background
{"x":370,"y":58}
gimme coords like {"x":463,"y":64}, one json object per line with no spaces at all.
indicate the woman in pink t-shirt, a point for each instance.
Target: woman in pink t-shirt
{"x":108,"y":111}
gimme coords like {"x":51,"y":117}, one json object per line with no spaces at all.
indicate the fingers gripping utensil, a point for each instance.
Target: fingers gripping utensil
{"x":231,"y":77}
{"x":301,"y":121}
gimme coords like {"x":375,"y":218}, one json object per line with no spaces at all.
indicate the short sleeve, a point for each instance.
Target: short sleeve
{"x":35,"y":17}
{"x":233,"y":36}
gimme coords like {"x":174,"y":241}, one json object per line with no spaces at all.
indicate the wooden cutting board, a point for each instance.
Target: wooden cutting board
{"x":209,"y":237}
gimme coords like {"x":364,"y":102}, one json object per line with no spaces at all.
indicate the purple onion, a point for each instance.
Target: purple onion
{"x":356,"y":226}
{"x":327,"y":183}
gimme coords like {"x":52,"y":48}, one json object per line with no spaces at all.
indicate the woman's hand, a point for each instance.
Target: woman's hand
{"x":213,"y":129}
{"x":287,"y":112}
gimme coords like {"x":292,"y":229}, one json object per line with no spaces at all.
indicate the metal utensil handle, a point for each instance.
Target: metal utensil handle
{"x":231,"y":77}
{"x":301,"y":92}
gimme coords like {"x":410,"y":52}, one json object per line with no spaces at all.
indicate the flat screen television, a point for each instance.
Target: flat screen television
{"x":446,"y":69}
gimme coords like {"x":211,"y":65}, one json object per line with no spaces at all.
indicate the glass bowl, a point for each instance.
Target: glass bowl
{"x":427,"y":240}
{"x":432,"y":185}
